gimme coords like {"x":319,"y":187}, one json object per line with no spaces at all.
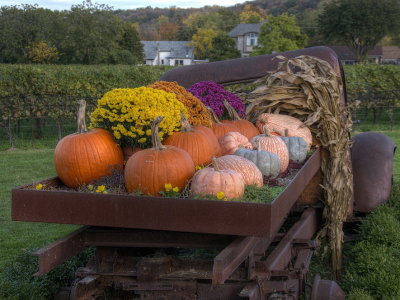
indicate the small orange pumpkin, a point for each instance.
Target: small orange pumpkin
{"x":245,"y":127}
{"x":150,"y":169}
{"x":220,"y":129}
{"x":211,"y":181}
{"x":232,"y":141}
{"x":249,"y":171}
{"x":273,"y":144}
{"x":86,"y":155}
{"x":195,"y":142}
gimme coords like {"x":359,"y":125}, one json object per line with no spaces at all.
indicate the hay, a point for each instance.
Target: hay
{"x":309,"y":89}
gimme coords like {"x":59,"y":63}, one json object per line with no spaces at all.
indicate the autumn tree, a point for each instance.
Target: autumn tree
{"x":359,"y":24}
{"x":202,"y":42}
{"x":252,"y":14}
{"x":223,"y":47}
{"x":279,"y":34}
{"x":41,"y":52}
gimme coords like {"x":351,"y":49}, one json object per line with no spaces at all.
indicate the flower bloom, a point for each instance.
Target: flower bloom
{"x":39,"y":186}
{"x":168,"y":187}
{"x":220,"y":195}
{"x":176,"y":189}
{"x":100,"y":189}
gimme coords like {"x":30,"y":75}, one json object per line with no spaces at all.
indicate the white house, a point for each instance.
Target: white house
{"x":168,"y":53}
{"x":246,"y":37}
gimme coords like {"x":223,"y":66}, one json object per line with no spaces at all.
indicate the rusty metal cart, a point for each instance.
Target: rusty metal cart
{"x":255,"y":251}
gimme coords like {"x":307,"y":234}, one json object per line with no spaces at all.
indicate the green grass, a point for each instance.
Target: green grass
{"x":19,"y":167}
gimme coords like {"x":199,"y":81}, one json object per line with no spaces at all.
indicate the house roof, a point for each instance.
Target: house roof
{"x":242,"y":29}
{"x":390,"y":52}
{"x":177,"y":49}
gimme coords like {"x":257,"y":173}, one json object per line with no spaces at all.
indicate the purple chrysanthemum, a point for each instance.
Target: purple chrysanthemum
{"x":213,"y":95}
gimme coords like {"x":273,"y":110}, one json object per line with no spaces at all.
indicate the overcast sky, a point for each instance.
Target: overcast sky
{"x":123,"y":4}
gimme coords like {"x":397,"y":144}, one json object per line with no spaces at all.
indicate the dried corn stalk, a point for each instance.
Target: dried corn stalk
{"x":309,"y":89}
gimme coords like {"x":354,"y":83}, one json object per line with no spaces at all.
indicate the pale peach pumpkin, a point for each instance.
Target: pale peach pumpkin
{"x":211,"y":181}
{"x":249,"y":171}
{"x":232,"y":141}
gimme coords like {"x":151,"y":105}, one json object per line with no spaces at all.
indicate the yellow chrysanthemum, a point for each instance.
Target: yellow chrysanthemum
{"x":128,"y":114}
{"x":168,"y":187}
{"x":39,"y":186}
{"x":176,"y":189}
{"x":220,"y":195}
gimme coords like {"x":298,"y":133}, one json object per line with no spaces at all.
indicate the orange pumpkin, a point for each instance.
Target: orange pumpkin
{"x":220,"y":129}
{"x":87,"y":155}
{"x":212,"y":138}
{"x":277,"y":124}
{"x":245,"y":127}
{"x":195,"y":142}
{"x":150,"y":169}
{"x":211,"y":181}
{"x":273,"y":144}
{"x":232,"y":141}
{"x":249,"y":171}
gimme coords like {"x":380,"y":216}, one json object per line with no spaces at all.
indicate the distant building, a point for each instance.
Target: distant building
{"x":378,"y":55}
{"x":246,"y":37}
{"x":168,"y":53}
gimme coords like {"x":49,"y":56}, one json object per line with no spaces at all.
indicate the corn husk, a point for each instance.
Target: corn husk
{"x":309,"y":89}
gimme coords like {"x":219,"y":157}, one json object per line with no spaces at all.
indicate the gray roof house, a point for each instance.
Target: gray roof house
{"x":378,"y":55}
{"x":168,"y":53}
{"x":246,"y":37}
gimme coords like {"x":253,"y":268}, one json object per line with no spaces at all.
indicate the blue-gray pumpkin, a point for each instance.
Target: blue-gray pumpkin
{"x":268,"y":163}
{"x":297,"y":147}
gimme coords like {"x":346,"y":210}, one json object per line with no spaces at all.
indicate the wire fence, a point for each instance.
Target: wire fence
{"x":35,"y":124}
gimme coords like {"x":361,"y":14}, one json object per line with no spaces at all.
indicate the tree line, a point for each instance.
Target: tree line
{"x":95,"y":34}
{"x":86,"y":34}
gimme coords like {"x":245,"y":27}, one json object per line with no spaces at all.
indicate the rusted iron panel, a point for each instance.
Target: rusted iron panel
{"x":159,"y":213}
{"x":116,"y":237}
{"x":243,"y":69}
{"x":59,"y":251}
{"x":372,"y":157}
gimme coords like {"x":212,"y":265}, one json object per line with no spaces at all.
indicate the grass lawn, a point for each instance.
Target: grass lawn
{"x":19,"y":167}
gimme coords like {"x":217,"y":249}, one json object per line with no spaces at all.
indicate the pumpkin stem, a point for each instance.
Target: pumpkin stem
{"x":213,"y":115}
{"x":286,"y":132}
{"x":257,"y":142}
{"x":231,"y":111}
{"x":155,"y":138}
{"x":266,"y":130}
{"x":185,"y":124}
{"x":215,"y":164}
{"x":81,"y":122}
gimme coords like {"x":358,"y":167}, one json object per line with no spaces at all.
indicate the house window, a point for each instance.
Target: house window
{"x":251,"y":39}
{"x":178,"y":62}
{"x":162,"y":61}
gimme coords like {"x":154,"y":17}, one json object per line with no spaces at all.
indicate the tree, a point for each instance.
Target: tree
{"x":252,"y":14}
{"x":279,"y":34}
{"x":359,"y":24}
{"x":202,"y":42}
{"x":223,"y":47}
{"x":41,"y":52}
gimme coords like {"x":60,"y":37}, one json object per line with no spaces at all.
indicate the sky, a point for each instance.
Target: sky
{"x":122,"y":4}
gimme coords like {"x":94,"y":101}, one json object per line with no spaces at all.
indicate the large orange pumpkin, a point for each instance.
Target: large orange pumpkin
{"x":245,"y":127}
{"x":219,"y":128}
{"x":277,"y":124}
{"x":273,"y":144}
{"x":150,"y":169}
{"x":211,"y":181}
{"x":249,"y":171}
{"x":194,"y":141}
{"x":212,"y":138}
{"x":87,"y":155}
